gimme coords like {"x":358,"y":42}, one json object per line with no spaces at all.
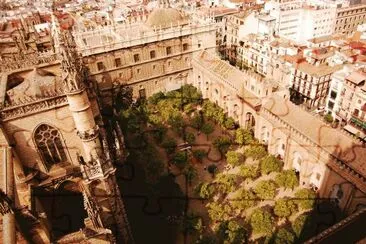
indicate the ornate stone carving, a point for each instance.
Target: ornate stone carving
{"x":27,"y":60}
{"x":89,"y":135}
{"x":71,"y":64}
{"x":14,"y":112}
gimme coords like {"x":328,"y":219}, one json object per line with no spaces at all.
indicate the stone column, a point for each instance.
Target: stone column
{"x":86,"y":127}
{"x":9,"y":232}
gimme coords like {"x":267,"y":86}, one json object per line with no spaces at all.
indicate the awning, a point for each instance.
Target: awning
{"x":351,"y":129}
{"x":354,"y":131}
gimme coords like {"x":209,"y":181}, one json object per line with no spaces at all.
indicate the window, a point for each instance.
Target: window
{"x":142,"y":93}
{"x":100,"y":66}
{"x":152,"y":54}
{"x":138,"y":71}
{"x":331,"y":105}
{"x":154,"y":66}
{"x":185,"y":46}
{"x":333,"y":94}
{"x":49,"y":145}
{"x":168,"y":50}
{"x":117,"y":62}
{"x":356,"y":112}
{"x":199,"y":44}
{"x":136,"y":57}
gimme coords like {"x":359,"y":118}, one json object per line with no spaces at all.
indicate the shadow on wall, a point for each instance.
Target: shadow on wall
{"x":343,"y":200}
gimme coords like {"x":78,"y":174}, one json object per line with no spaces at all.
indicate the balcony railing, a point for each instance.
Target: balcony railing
{"x":358,"y":122}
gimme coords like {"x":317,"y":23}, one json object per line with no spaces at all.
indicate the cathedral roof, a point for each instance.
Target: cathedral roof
{"x":36,"y":84}
{"x":166,"y":17}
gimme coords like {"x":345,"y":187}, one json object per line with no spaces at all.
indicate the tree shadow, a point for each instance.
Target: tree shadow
{"x":153,"y":210}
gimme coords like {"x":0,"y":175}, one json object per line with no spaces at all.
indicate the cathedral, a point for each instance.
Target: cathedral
{"x":63,"y":151}
{"x":60,"y":154}
{"x":58,"y":145}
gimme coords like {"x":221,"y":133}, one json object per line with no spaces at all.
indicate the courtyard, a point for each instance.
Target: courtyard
{"x":207,"y":180}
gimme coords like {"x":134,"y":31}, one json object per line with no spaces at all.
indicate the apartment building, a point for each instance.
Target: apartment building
{"x":310,"y":83}
{"x":316,"y":21}
{"x":287,"y":13}
{"x":347,"y":99}
{"x":335,"y":97}
{"x":254,"y":53}
{"x":348,"y":18}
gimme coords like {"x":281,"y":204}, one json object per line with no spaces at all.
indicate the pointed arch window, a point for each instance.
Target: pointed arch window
{"x":49,"y":144}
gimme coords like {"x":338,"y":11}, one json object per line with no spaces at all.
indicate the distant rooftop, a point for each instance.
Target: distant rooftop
{"x":317,"y":70}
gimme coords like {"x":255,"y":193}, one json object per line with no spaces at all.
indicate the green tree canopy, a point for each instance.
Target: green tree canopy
{"x":156,"y":97}
{"x":197,"y":121}
{"x":222,"y":143}
{"x":218,"y":211}
{"x":176,"y":122}
{"x":301,"y":226}
{"x":229,"y":123}
{"x":265,"y":189}
{"x":287,"y":179}
{"x":207,"y":129}
{"x":249,"y":171}
{"x":270,"y":164}
{"x":225,"y":183}
{"x":190,"y":137}
{"x":192,"y":223}
{"x":180,"y":159}
{"x":158,"y":133}
{"x":191,"y":173}
{"x":212,"y":169}
{"x":233,"y":158}
{"x":189,"y":108}
{"x":124,"y":98}
{"x":243,"y":137}
{"x":232,"y":232}
{"x":206,"y":190}
{"x":328,"y":118}
{"x":206,"y":239}
{"x":284,"y":236}
{"x":261,"y":222}
{"x":155,"y":119}
{"x":190,"y":94}
{"x":199,"y":154}
{"x":167,"y":109}
{"x":169,"y":144}
{"x":244,"y":199}
{"x":255,"y":152}
{"x":284,"y":207}
{"x":305,"y":198}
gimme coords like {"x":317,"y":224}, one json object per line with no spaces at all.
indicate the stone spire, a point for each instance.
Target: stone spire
{"x":71,"y":63}
{"x":55,"y":33}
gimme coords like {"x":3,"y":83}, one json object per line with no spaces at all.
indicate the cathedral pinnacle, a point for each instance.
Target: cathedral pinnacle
{"x":71,"y":63}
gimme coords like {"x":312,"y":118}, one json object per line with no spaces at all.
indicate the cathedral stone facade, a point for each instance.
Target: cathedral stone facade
{"x":63,"y":151}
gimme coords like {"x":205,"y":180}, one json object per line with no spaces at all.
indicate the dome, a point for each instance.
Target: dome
{"x":165,"y":17}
